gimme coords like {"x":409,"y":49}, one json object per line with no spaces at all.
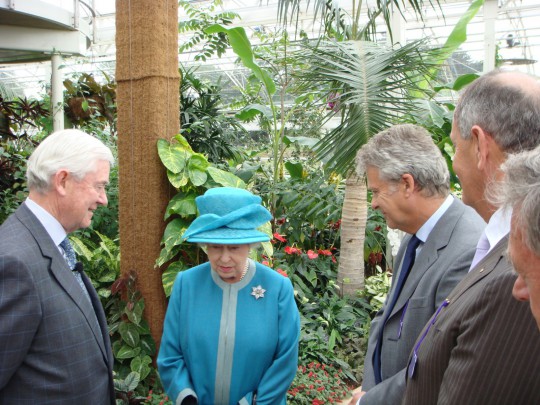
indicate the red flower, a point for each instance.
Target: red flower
{"x":320,"y":388}
{"x":292,"y":250}
{"x":282,"y":272}
{"x":279,"y":237}
{"x":311,"y":254}
{"x":324,"y":252}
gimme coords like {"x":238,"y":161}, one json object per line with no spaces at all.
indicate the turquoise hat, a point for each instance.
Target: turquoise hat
{"x":228,"y":216}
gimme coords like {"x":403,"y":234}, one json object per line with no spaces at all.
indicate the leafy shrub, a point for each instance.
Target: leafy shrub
{"x":157,"y":398}
{"x":328,"y":320}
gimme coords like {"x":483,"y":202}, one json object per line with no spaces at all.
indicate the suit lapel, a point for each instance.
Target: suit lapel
{"x":60,"y":270}
{"x":437,"y":240}
{"x":482,"y":269}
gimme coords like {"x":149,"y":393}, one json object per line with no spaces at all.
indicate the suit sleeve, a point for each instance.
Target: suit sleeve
{"x":171,"y":364}
{"x":20,"y":315}
{"x":496,"y":350}
{"x":279,"y":376}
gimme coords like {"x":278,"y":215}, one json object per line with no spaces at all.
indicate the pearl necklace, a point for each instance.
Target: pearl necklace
{"x":245,"y":270}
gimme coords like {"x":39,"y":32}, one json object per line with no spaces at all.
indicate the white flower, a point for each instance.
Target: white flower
{"x":258,"y":292}
{"x":394,"y":238}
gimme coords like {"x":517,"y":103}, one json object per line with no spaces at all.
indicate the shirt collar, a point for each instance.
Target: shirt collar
{"x":52,"y":226}
{"x":425,"y":230}
{"x":498,"y":226}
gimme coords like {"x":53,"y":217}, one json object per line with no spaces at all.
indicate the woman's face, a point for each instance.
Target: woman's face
{"x":228,"y":261}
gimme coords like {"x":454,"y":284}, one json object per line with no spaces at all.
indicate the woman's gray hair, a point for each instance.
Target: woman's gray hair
{"x":509,"y":112}
{"x":520,"y":190}
{"x":403,"y":149}
{"x":69,"y":149}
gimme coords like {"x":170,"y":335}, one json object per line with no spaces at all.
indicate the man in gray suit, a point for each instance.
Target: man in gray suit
{"x":410,"y":184}
{"x":482,"y":346}
{"x":520,"y":190}
{"x":54,"y":342}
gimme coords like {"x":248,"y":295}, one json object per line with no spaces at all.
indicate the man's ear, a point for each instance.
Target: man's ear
{"x":408,"y":183}
{"x":482,"y":144}
{"x":60,"y":180}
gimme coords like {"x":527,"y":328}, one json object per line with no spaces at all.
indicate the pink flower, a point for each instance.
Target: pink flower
{"x":282,"y":272}
{"x":311,"y":254}
{"x":279,"y":237}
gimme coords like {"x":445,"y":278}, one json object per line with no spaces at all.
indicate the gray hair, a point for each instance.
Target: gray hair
{"x":509,"y":111}
{"x":520,"y":190}
{"x":69,"y":149}
{"x":403,"y":149}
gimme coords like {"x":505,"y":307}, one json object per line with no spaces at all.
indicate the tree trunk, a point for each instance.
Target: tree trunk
{"x":148,"y":109}
{"x":353,"y":231}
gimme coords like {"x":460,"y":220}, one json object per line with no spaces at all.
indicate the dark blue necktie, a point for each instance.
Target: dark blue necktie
{"x":408,"y":261}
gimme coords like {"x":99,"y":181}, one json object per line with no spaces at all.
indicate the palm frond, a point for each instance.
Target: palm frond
{"x":333,"y":15}
{"x":370,"y":87}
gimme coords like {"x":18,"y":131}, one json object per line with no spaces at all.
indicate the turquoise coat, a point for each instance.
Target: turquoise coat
{"x":221,"y":343}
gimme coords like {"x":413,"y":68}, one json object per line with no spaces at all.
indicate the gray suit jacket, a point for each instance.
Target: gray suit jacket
{"x":484,"y":347}
{"x":442,"y":262}
{"x":54,"y":343}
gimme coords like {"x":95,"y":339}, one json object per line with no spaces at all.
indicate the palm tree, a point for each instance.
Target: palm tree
{"x":370,"y":86}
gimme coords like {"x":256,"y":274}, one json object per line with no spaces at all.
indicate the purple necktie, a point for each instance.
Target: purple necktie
{"x":481,"y":250}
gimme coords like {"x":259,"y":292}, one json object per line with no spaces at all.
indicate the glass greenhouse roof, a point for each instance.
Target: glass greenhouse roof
{"x":517,"y":37}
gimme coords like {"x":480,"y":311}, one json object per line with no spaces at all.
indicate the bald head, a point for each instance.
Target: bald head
{"x":504,"y":104}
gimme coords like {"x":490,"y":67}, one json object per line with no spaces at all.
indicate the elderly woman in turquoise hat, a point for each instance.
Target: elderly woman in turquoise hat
{"x":232,"y":326}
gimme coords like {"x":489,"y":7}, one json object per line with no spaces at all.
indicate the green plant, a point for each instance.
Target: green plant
{"x":19,"y":120}
{"x":201,"y":17}
{"x":13,"y":189}
{"x":328,"y":320}
{"x":375,"y":242}
{"x":132,"y":343}
{"x":100,"y":260}
{"x":208,"y":130}
{"x":88,"y":102}
{"x":317,"y":384}
{"x":376,"y":289}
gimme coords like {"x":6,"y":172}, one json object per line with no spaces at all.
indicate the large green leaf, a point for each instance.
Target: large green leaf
{"x":178,"y":180}
{"x":136,"y":313}
{"x":428,"y":113}
{"x":147,"y":345}
{"x":242,"y":47}
{"x":173,"y":233}
{"x":251,"y":111}
{"x":182,"y":204}
{"x":141,"y":365}
{"x":170,"y":274}
{"x":127,"y":352}
{"x":196,"y":167}
{"x":173,"y":156}
{"x":226,"y":179}
{"x":129,"y":334}
{"x":296,"y":170}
